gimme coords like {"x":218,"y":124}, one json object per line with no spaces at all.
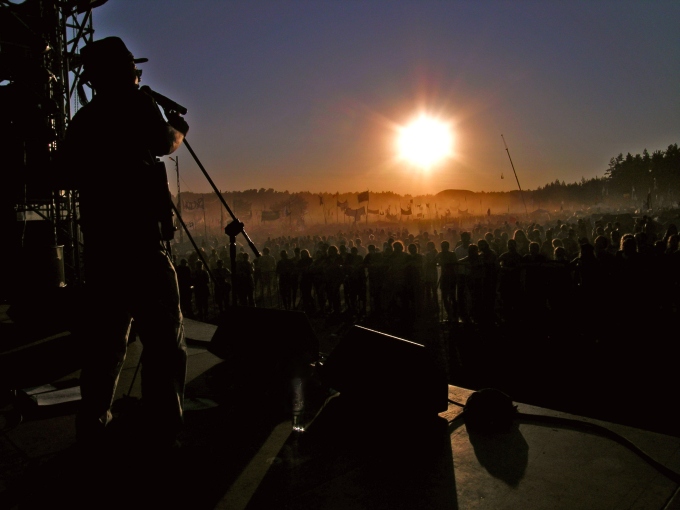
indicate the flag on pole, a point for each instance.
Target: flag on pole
{"x":193,"y":204}
{"x":355,"y":213}
{"x":405,"y":212}
{"x":363,"y":197}
{"x":270,"y":215}
{"x":342,"y":205}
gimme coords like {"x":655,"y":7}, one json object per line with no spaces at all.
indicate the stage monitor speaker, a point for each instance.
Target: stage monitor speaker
{"x":256,"y":340}
{"x":380,"y":371}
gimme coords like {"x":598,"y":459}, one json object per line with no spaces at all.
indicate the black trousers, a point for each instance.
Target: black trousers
{"x":142,"y":288}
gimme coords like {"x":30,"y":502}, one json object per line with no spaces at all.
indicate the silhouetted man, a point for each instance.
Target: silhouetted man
{"x":118,"y":135}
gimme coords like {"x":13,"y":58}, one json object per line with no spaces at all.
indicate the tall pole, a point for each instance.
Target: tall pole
{"x":205,"y":224}
{"x":513,"y":170}
{"x":221,"y":217}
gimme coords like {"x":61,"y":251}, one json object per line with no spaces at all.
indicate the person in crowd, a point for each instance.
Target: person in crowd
{"x":430,"y":276}
{"x":295,"y":276}
{"x":547,"y":249}
{"x":490,"y":282}
{"x":521,"y":242}
{"x":212,"y":259}
{"x":672,"y":244}
{"x":222,"y":276}
{"x":414,"y":275}
{"x":472,"y":281}
{"x":376,"y":271}
{"x":615,"y":242}
{"x":267,"y":268}
{"x":510,"y":288}
{"x":244,"y":281}
{"x":461,"y":249}
{"x":395,"y":259}
{"x":448,"y":283}
{"x":306,"y":281}
{"x":333,"y":279}
{"x":355,"y":280}
{"x":317,"y":272}
{"x":571,"y":244}
{"x":670,"y":231}
{"x":285,"y":271}
{"x":361,"y":249}
{"x":534,"y":280}
{"x":202,"y":290}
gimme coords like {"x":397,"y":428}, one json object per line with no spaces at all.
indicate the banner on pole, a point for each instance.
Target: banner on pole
{"x":192,"y":205}
{"x":270,"y":215}
{"x":355,"y":213}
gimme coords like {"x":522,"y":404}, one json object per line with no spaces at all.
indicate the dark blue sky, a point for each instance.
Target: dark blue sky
{"x":307,"y":95}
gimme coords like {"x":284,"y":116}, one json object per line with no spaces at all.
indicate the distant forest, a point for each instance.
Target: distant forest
{"x":631,"y":183}
{"x":628,"y":178}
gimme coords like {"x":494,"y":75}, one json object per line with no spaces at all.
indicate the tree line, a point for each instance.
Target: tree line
{"x":641,"y":181}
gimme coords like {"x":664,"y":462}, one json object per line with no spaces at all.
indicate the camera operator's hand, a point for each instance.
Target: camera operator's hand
{"x":177,"y":122}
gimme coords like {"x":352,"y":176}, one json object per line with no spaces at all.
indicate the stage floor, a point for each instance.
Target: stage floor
{"x":239,"y":451}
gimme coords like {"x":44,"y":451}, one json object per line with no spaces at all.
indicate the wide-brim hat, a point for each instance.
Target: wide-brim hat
{"x":106,"y":52}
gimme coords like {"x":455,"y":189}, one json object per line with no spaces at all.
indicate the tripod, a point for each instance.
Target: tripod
{"x":235,"y":227}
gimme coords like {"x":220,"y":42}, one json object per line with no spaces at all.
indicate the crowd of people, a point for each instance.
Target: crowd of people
{"x":487,"y":274}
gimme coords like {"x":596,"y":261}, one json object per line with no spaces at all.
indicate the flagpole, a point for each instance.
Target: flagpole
{"x":516,"y":178}
{"x":368,"y":203}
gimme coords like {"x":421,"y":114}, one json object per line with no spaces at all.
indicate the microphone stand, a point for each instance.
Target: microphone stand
{"x":235,"y":227}
{"x":232,"y":229}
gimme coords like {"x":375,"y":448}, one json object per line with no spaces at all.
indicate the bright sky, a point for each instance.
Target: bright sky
{"x":311,"y":95}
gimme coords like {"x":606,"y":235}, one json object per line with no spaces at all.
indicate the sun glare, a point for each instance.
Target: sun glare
{"x":425,"y":142}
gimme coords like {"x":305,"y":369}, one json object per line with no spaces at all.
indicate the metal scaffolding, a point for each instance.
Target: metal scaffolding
{"x":40,"y":42}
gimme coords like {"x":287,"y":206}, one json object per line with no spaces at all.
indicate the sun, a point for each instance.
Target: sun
{"x":425,"y":142}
